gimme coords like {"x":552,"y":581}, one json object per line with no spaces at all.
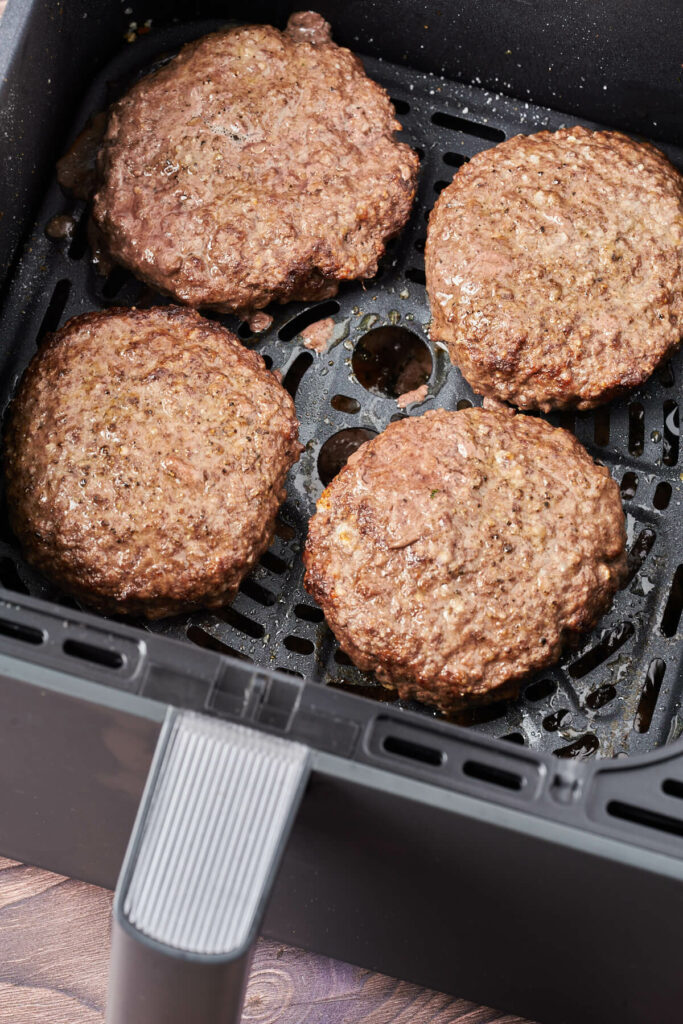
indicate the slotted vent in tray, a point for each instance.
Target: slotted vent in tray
{"x":619,"y":691}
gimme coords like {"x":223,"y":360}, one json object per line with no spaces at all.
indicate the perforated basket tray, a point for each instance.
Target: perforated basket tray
{"x":620,"y":691}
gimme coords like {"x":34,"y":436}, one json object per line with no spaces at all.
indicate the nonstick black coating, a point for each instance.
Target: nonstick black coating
{"x":619,"y":691}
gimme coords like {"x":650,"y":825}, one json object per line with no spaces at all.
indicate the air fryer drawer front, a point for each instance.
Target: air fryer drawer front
{"x":455,"y":887}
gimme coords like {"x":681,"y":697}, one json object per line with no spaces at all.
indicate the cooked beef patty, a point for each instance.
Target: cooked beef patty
{"x":257,"y":166}
{"x":555,"y":267}
{"x":457,"y":552}
{"x":146,"y":456}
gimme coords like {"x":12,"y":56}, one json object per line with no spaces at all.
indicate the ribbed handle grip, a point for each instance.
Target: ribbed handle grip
{"x":212,"y":825}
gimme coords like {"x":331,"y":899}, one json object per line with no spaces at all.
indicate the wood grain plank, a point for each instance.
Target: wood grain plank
{"x":18,"y":882}
{"x":289,"y":986}
{"x":54,"y":948}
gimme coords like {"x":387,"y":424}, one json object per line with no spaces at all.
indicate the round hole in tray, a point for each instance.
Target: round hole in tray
{"x":662,"y":495}
{"x":391,"y":360}
{"x":598,"y":698}
{"x":342,"y":403}
{"x":337,"y":450}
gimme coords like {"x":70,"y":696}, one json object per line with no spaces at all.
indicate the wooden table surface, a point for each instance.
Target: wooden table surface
{"x":54,"y":946}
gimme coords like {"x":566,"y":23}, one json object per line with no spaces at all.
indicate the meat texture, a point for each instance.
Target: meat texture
{"x":146,"y":456}
{"x":256,"y":166}
{"x":458,"y":551}
{"x":555,"y":267}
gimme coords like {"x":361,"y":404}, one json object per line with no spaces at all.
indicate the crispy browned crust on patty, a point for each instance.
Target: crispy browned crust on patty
{"x":257,"y":166}
{"x":457,"y":552}
{"x":554,"y":267}
{"x":146,"y":456}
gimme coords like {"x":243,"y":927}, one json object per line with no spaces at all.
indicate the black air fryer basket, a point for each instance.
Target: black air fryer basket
{"x":528,"y":855}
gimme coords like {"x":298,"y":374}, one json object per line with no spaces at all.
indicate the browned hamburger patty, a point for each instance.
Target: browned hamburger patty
{"x":146,"y":456}
{"x":555,"y":267}
{"x":258,"y":165}
{"x":458,"y":551}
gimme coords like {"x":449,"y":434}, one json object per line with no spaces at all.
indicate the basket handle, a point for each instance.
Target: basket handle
{"x":212,"y":825}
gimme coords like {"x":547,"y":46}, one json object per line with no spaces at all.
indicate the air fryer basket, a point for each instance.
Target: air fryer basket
{"x":573,"y":872}
{"x":619,"y":692}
